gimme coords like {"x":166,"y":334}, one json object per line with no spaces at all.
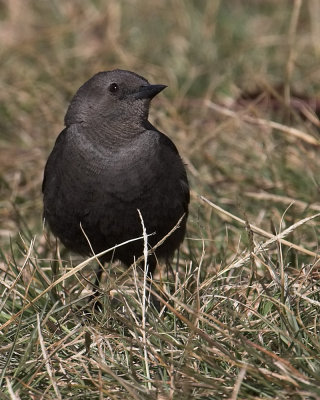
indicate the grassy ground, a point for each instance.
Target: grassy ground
{"x":242,"y":107}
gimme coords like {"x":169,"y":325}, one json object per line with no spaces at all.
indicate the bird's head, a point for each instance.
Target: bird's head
{"x":112,"y":98}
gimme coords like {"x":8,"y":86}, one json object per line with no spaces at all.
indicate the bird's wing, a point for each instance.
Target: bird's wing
{"x":168,"y":146}
{"x":51,"y":162}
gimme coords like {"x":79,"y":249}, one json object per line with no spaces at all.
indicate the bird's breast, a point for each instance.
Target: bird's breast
{"x":125,"y":173}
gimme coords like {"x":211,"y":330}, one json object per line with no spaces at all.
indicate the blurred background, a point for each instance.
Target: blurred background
{"x":260,"y":58}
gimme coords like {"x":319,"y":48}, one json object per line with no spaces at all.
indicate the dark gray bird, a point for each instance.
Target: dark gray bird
{"x":107,"y":163}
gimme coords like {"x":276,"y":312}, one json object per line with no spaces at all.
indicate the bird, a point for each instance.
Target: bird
{"x":108,"y":164}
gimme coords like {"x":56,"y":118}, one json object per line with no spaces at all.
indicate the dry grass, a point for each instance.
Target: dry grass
{"x":242,"y":317}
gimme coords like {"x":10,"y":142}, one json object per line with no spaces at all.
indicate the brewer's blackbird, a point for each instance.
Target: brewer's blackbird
{"x":108,"y":162}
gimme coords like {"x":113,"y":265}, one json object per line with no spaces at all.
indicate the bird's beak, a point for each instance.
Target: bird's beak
{"x":148,"y":91}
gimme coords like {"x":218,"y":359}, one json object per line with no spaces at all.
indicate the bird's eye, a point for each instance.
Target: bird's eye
{"x":113,"y":87}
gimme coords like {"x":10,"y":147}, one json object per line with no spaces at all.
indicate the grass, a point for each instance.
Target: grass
{"x":241,"y":105}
